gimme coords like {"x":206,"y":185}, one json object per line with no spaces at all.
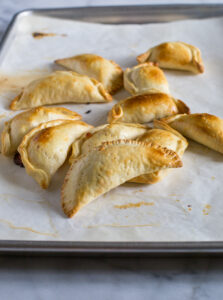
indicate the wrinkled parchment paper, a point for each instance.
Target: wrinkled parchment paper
{"x":187,"y":205}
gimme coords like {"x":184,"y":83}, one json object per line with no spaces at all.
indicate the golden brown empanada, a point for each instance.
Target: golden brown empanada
{"x":61,"y":87}
{"x":203,"y":128}
{"x":143,"y":78}
{"x":15,"y":129}
{"x":105,"y":71}
{"x":174,"y":55}
{"x":145,"y":108}
{"x":110,"y":165}
{"x":167,"y":137}
{"x":105,"y":133}
{"x":45,"y":148}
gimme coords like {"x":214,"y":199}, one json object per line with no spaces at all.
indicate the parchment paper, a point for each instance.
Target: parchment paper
{"x":187,"y":205}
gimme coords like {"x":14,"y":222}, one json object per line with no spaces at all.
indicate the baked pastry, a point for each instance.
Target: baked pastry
{"x":15,"y":129}
{"x":203,"y":128}
{"x":105,"y":71}
{"x":105,"y":133}
{"x":174,"y":55}
{"x":143,"y":78}
{"x":45,"y":148}
{"x":61,"y":87}
{"x":108,"y":166}
{"x":167,"y":137}
{"x":146,"y":107}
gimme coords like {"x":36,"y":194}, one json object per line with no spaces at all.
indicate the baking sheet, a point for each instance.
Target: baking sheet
{"x":185,"y":206}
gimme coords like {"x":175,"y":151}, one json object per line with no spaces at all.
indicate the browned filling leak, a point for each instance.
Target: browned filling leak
{"x":40,"y":35}
{"x":17,"y":159}
{"x":130,"y":205}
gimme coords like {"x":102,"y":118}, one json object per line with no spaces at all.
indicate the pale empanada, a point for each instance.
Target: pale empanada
{"x":45,"y":148}
{"x":167,"y":137}
{"x":144,"y":78}
{"x":61,"y":87}
{"x":15,"y":129}
{"x":145,"y":108}
{"x":202,"y":128}
{"x":105,"y":71}
{"x":110,"y":165}
{"x":174,"y":55}
{"x":105,"y":133}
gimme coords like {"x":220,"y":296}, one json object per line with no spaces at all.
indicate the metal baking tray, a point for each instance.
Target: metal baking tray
{"x":113,"y":15}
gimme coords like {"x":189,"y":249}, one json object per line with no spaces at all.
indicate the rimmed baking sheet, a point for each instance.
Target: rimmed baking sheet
{"x":121,"y":222}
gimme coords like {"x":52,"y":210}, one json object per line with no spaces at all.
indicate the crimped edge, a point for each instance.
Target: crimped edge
{"x":117,"y":81}
{"x":159,"y":124}
{"x":43,"y":179}
{"x":128,"y":85}
{"x":6,"y":139}
{"x":115,"y":85}
{"x":76,"y":146}
{"x":144,"y":56}
{"x":182,"y":107}
{"x":115,"y":113}
{"x":5,"y":135}
{"x":102,"y":147}
{"x":101,"y":90}
{"x":13,"y":105}
{"x":172,"y":118}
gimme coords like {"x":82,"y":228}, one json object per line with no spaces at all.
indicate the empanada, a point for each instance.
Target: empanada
{"x":167,"y":137}
{"x":145,"y":108}
{"x":15,"y":129}
{"x":174,"y":55}
{"x":143,"y":78}
{"x":45,"y":148}
{"x":105,"y":71}
{"x":105,"y":133}
{"x":203,"y":128}
{"x":110,"y":165}
{"x":61,"y":87}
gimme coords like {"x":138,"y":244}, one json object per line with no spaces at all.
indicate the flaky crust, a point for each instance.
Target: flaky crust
{"x":203,"y":128}
{"x":15,"y":129}
{"x":105,"y":133}
{"x":45,"y":148}
{"x":143,"y":78}
{"x":146,"y":108}
{"x":108,"y":166}
{"x":165,"y":136}
{"x":174,"y":55}
{"x":105,"y":71}
{"x":61,"y":87}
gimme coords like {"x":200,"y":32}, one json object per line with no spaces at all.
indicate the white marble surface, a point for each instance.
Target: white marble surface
{"x":104,"y":278}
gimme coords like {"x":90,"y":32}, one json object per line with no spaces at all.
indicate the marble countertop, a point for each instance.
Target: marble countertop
{"x":105,"y":278}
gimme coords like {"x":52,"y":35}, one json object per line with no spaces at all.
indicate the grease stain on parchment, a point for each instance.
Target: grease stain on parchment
{"x":15,"y":83}
{"x":40,"y":35}
{"x":206,"y":209}
{"x":131,"y":205}
{"x":7,"y":197}
{"x":12,"y":226}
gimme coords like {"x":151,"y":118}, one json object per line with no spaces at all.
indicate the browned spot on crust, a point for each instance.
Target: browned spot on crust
{"x":173,"y":51}
{"x":145,"y":99}
{"x":43,"y":135}
{"x":155,"y":73}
